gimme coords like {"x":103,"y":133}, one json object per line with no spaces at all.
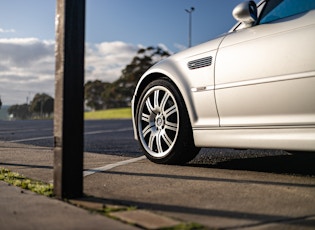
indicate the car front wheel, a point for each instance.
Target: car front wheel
{"x":163,"y":125}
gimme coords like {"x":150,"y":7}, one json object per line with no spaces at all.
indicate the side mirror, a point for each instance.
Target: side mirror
{"x":246,"y":13}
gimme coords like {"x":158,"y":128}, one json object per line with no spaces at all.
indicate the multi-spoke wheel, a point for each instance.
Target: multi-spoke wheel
{"x":163,"y":125}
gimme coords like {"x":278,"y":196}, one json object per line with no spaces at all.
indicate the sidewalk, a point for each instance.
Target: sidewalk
{"x":22,"y":209}
{"x":231,"y":196}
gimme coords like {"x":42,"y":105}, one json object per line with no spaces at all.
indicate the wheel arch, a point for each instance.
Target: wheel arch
{"x":184,"y":94}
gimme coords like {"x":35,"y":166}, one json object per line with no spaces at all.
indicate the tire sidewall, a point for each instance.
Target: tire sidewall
{"x":183,"y":138}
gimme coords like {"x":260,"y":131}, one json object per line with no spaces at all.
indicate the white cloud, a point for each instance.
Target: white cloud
{"x":164,"y":47}
{"x":180,"y":47}
{"x":7,"y":31}
{"x":27,"y":66}
{"x":25,"y":52}
{"x":105,"y":61}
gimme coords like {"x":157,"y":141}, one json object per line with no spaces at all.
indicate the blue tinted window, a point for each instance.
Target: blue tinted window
{"x":277,"y":9}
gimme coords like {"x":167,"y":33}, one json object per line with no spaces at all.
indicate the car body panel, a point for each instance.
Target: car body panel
{"x":264,"y":90}
{"x":196,"y":85}
{"x":279,"y":103}
{"x":283,"y":138}
{"x":257,"y":91}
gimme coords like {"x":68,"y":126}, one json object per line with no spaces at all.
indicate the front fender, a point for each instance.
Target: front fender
{"x":173,"y":74}
{"x":195,"y":85}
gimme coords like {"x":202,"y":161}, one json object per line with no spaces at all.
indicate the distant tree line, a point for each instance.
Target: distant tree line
{"x":42,"y":106}
{"x":98,"y":95}
{"x":104,"y":95}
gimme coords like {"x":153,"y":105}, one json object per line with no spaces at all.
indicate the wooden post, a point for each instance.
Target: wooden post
{"x":69,"y":97}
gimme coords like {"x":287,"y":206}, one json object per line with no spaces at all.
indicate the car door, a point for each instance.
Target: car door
{"x":265,"y":74}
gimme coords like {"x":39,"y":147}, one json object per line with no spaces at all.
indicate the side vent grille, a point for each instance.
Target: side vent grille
{"x":200,"y":63}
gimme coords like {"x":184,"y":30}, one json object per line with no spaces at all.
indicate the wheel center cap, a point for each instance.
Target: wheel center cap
{"x":159,"y":121}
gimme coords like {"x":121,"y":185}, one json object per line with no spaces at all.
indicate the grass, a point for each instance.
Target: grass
{"x":186,"y":226}
{"x":120,"y":113}
{"x":19,"y":180}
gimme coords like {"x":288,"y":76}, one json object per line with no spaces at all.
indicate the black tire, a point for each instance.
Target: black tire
{"x":163,"y":125}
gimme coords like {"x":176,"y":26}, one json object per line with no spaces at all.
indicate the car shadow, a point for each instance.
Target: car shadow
{"x":279,"y":162}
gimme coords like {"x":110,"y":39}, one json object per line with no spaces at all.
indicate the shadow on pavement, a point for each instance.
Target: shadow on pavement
{"x":255,"y":219}
{"x":294,"y":164}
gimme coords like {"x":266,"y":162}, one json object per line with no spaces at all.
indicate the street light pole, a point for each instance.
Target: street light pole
{"x":190,"y":19}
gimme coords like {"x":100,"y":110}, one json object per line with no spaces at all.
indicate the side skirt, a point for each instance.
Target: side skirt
{"x":259,"y":138}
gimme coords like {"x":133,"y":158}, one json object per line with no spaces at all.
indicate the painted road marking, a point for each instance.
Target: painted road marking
{"x":104,"y":168}
{"x":86,"y":133}
{"x":108,"y":131}
{"x":89,"y":172}
{"x":31,"y":139}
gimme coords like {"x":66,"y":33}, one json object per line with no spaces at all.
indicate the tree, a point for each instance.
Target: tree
{"x":142,"y":62}
{"x":104,"y":95}
{"x":120,"y":92}
{"x":20,"y":111}
{"x":42,"y":105}
{"x":93,"y":91}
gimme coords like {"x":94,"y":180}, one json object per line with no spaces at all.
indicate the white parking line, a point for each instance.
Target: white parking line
{"x":104,"y":168}
{"x":108,"y":131}
{"x":111,"y":166}
{"x":31,"y":139}
{"x":86,"y":133}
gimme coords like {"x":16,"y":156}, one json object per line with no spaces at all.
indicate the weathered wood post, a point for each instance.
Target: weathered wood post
{"x":69,"y":97}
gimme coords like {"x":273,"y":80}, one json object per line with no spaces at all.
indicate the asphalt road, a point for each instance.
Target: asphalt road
{"x":100,"y":136}
{"x":220,"y":188}
{"x":115,"y":137}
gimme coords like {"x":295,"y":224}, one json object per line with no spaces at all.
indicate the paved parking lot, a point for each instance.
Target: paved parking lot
{"x":227,"y":195}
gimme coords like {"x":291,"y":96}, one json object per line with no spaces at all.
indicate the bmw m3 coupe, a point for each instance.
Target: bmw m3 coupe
{"x":253,"y":87}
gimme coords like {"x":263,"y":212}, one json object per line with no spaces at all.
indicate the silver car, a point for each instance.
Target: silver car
{"x":253,"y":87}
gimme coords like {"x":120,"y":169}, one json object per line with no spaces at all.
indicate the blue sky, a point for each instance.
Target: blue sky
{"x":151,"y":22}
{"x":115,"y":29}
